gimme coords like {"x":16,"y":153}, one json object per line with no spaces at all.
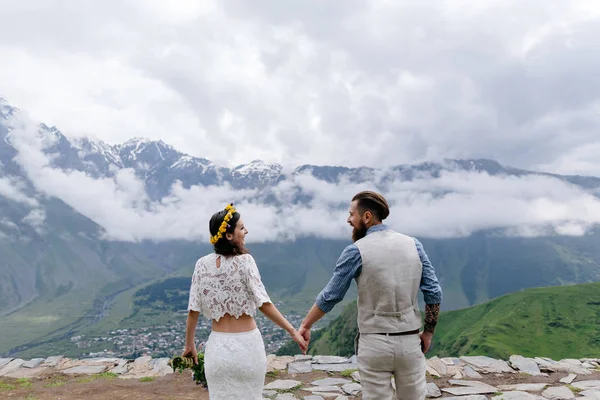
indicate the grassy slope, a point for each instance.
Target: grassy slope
{"x":292,"y":274}
{"x":470,"y":270}
{"x":556,"y":322}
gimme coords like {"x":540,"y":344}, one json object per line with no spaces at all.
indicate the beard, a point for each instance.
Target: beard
{"x":359,"y":232}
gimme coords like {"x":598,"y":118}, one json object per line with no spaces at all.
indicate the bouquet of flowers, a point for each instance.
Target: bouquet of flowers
{"x":181,"y":363}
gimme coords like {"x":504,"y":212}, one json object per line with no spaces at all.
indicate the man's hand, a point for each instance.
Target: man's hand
{"x":313,"y":316}
{"x":425,"y":341}
{"x":305,"y":332}
{"x":299,"y":339}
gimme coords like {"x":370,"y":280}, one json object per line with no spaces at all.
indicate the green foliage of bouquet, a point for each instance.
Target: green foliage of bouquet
{"x":181,"y":363}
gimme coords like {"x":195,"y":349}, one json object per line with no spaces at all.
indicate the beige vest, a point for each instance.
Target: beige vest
{"x":389,"y":283}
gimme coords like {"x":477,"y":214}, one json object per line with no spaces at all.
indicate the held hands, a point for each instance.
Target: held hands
{"x":297,"y":337}
{"x":305,"y":332}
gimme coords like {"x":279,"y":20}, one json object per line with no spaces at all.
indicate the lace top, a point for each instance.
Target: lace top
{"x":234,"y":288}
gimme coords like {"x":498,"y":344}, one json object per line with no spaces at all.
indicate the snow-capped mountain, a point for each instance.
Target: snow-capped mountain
{"x":52,"y":254}
{"x":160,"y":165}
{"x":257,"y":173}
{"x":6,"y":110}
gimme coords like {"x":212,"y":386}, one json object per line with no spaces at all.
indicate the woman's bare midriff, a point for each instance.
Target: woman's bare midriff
{"x":230,"y":324}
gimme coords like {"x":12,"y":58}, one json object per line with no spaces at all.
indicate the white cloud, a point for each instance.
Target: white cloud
{"x":454,"y":204}
{"x":529,"y":205}
{"x":13,"y":189}
{"x":8,"y":223}
{"x":346,"y":82}
{"x":36,"y":219}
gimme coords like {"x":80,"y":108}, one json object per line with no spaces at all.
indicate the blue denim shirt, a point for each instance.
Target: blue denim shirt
{"x":349,"y":266}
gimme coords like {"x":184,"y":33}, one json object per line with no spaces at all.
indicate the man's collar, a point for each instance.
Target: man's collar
{"x":377,"y":228}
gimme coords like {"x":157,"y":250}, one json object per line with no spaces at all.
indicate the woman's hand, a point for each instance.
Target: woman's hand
{"x":297,"y":337}
{"x":190,"y":351}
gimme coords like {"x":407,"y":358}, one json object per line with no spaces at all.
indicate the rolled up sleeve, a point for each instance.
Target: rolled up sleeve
{"x":430,"y":286}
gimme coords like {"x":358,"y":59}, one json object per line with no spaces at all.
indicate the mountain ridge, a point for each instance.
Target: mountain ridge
{"x":161,"y":165}
{"x":555,"y":322}
{"x":56,"y":264}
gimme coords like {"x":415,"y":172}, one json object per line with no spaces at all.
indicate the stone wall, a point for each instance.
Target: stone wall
{"x":471,"y":378}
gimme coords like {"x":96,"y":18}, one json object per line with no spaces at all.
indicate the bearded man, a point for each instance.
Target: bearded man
{"x":389,"y":268}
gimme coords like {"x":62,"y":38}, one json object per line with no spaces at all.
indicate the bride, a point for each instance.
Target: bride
{"x":227,"y":288}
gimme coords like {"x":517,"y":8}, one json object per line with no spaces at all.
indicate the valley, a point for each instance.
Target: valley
{"x":555,"y":322}
{"x":86,"y":227}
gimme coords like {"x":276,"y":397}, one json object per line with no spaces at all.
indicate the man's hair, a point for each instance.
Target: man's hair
{"x":373,"y":202}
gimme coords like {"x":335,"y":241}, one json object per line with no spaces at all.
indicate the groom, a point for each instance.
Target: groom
{"x":390,"y":268}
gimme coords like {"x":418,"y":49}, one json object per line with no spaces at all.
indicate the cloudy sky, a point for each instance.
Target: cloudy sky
{"x":347,"y":82}
{"x":457,"y":203}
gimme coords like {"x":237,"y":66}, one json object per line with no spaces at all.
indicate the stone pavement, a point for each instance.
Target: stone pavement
{"x":470,"y":378}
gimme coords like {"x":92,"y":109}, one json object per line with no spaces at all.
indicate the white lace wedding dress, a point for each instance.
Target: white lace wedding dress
{"x":235,"y":363}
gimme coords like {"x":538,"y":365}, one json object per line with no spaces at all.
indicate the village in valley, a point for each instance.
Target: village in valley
{"x":168,"y":340}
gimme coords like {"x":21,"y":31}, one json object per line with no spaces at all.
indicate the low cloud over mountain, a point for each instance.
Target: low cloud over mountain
{"x":146,"y":189}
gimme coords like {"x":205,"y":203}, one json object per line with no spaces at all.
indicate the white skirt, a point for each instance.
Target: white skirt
{"x":235,"y":365}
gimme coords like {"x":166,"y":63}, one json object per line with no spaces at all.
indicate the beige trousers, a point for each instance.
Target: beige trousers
{"x":380,"y":357}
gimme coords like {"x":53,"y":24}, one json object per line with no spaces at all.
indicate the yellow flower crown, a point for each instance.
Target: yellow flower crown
{"x":225,"y":224}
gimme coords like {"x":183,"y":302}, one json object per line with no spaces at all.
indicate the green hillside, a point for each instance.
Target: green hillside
{"x":292,"y":272}
{"x":69,"y":285}
{"x":556,"y":322}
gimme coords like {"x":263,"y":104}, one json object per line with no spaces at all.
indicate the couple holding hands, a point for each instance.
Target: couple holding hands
{"x":389,"y":268}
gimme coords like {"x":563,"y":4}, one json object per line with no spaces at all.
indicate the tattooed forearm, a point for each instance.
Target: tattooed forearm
{"x":432,"y":312}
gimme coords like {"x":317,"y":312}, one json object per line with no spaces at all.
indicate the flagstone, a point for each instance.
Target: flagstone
{"x":438,"y":365}
{"x":86,"y":370}
{"x":433,"y":391}
{"x":547,"y":364}
{"x":285,"y":396}
{"x":517,"y":395}
{"x":568,"y":379}
{"x":471,"y":373}
{"x":594,"y":384}
{"x":469,"y":388}
{"x":330,"y":360}
{"x":590,"y":394}
{"x":524,"y":387}
{"x":52,"y":361}
{"x":323,"y":388}
{"x":11,"y":366}
{"x":526,"y":365}
{"x":352,"y":389}
{"x":432,"y":371}
{"x":283,"y":384}
{"x":487,"y":364}
{"x":333,"y":367}
{"x":330,"y":382}
{"x":300,"y":367}
{"x":26,"y":373}
{"x":558,"y":393}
